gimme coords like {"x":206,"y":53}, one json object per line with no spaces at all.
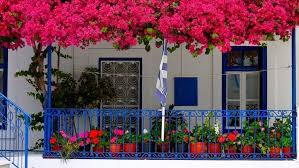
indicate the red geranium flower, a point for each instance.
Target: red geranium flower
{"x":93,"y":134}
{"x":232,"y":137}
{"x":53,"y":140}
{"x":100,"y":133}
{"x":186,"y":139}
{"x":95,"y":141}
{"x":221,"y":139}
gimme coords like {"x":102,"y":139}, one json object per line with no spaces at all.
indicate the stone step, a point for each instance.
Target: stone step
{"x":4,"y":163}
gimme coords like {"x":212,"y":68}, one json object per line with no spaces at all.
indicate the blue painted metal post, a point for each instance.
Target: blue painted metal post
{"x":26,"y":140}
{"x":294,"y":108}
{"x":47,"y":125}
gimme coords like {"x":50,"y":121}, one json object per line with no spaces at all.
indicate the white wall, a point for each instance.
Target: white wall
{"x":208,"y":69}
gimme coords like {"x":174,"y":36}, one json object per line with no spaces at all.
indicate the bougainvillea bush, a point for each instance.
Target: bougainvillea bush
{"x":202,"y":24}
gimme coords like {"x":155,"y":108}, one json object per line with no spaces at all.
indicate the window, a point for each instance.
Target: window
{"x":3,"y":84}
{"x":125,"y":75}
{"x":185,"y":91}
{"x":244,"y":83}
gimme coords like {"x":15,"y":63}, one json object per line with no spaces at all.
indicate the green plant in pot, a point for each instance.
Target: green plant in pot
{"x":69,"y":145}
{"x":170,"y":124}
{"x":99,"y":140}
{"x":131,"y":140}
{"x":254,"y":136}
{"x":230,"y":141}
{"x":180,"y":139}
{"x":145,"y":141}
{"x":198,"y":139}
{"x":213,"y":135}
{"x":116,"y":141}
{"x":281,"y":138}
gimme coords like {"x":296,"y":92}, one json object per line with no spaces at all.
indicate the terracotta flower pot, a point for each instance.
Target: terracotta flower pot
{"x":98,"y":149}
{"x":56,"y":148}
{"x":116,"y":148}
{"x":287,"y":152}
{"x":275,"y":152}
{"x":231,"y":149}
{"x":247,"y":149}
{"x":215,"y":148}
{"x":198,"y":147}
{"x":163,"y":147}
{"x":130,"y":148}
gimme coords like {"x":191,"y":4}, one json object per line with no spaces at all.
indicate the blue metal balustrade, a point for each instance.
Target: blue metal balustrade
{"x":14,"y":124}
{"x":189,"y":134}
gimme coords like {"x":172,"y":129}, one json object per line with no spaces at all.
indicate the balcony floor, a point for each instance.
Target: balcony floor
{"x":36,"y":161}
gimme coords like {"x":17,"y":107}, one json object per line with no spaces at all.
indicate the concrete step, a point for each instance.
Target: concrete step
{"x":4,"y":163}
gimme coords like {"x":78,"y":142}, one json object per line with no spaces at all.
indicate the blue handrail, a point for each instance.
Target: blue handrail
{"x":15,"y":128}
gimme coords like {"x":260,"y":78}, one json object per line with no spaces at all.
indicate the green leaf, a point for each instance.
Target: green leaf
{"x":147,"y":48}
{"x":104,"y":29}
{"x":150,"y":30}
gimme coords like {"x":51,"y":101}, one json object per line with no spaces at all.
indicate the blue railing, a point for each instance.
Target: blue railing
{"x":14,"y":124}
{"x":189,"y":134}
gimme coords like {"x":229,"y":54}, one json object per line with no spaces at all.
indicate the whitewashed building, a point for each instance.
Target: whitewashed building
{"x":247,"y":78}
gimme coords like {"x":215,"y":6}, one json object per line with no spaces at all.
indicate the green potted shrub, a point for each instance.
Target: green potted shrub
{"x":198,"y":139}
{"x":281,"y":138}
{"x":180,"y":139}
{"x":254,"y":136}
{"x":130,"y":142}
{"x":230,"y":142}
{"x":116,"y":141}
{"x":214,"y":146}
{"x":98,"y":140}
{"x":56,"y":142}
{"x":69,"y":145}
{"x":145,"y":142}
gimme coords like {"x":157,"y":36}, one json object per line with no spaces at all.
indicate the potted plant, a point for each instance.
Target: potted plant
{"x":230,"y":141}
{"x":98,"y":140}
{"x":146,"y":144}
{"x":214,"y":145}
{"x":84,"y":141}
{"x":286,"y":138}
{"x":130,"y":140}
{"x":281,"y":139}
{"x":198,"y":139}
{"x":254,"y":133}
{"x":56,"y":141}
{"x":69,"y":145}
{"x":180,"y":140}
{"x":116,"y":141}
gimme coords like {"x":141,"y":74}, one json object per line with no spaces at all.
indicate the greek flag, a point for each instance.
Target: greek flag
{"x":161,"y":86}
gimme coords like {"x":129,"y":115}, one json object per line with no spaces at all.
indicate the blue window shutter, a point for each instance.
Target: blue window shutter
{"x":185,"y":91}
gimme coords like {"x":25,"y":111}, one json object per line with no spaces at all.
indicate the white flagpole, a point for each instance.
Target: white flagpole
{"x":163,"y":123}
